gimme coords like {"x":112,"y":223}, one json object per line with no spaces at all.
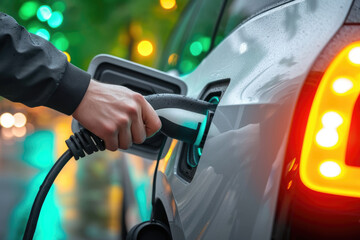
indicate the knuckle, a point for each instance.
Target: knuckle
{"x":132,"y":110}
{"x":109,"y":129}
{"x":122,"y":121}
{"x":138,"y":97}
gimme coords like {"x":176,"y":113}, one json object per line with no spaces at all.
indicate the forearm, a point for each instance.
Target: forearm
{"x":34,"y":72}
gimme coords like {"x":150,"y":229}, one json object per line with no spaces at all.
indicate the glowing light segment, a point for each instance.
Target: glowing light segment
{"x":331,"y":120}
{"x":354,"y":55}
{"x":342,"y":85}
{"x":327,"y":137}
{"x":328,"y":126}
{"x":330,"y":169}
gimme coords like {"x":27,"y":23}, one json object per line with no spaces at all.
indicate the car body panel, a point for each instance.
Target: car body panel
{"x":234,"y":191}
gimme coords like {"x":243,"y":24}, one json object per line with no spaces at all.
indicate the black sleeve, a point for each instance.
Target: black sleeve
{"x":35,"y":73}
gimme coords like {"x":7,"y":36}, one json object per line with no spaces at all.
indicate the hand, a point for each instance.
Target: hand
{"x":117,"y":115}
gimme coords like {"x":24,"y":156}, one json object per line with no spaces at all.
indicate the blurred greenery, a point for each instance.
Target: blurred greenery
{"x":92,"y":27}
{"x":86,"y":203}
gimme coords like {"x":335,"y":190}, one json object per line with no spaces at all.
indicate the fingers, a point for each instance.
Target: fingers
{"x":117,"y":115}
{"x":138,"y":131}
{"x":118,"y":137}
{"x":111,"y":140}
{"x":125,"y":138}
{"x":151,"y":120}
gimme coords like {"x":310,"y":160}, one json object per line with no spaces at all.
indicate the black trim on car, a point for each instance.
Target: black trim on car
{"x":217,"y":24}
{"x":354,"y":13}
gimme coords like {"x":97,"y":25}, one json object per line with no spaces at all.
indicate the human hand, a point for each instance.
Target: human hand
{"x":117,"y":115}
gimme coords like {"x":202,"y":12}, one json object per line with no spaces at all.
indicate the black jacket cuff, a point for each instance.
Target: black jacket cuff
{"x":70,"y":91}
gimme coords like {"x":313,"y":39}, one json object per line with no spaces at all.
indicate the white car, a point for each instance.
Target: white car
{"x":281,"y":159}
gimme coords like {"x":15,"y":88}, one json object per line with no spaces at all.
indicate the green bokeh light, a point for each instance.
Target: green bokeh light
{"x":196,"y":48}
{"x":58,"y":6}
{"x":28,"y":10}
{"x":44,"y":13}
{"x":39,"y":149}
{"x":42,"y":32}
{"x":49,"y":222}
{"x":34,"y":26}
{"x":33,"y":30}
{"x":60,"y":41}
{"x":56,"y":19}
{"x":186,"y":66}
{"x":39,"y":152}
{"x":205,"y":42}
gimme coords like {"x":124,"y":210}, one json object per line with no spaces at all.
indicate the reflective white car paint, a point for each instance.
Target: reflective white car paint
{"x":234,"y":191}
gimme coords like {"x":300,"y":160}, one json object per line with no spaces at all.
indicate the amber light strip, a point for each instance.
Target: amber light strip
{"x":322,"y":162}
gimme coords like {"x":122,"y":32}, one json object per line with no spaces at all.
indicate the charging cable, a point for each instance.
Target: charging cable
{"x":182,"y":118}
{"x":78,"y":144}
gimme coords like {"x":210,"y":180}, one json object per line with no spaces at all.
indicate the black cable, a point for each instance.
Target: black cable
{"x":80,"y":143}
{"x":42,"y":193}
{"x":155,"y":173}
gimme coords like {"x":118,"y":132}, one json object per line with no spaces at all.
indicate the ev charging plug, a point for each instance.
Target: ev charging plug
{"x":183,"y":118}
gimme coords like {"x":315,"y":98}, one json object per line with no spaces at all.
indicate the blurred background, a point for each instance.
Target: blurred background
{"x":87,"y":200}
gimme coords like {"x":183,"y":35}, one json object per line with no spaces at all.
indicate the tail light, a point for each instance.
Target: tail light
{"x":323,"y":165}
{"x":319,"y":194}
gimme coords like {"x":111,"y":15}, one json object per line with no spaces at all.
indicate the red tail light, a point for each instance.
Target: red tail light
{"x":319,"y":194}
{"x":323,"y":154}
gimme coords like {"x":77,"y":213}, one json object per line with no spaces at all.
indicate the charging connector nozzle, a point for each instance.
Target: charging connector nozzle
{"x":183,"y":118}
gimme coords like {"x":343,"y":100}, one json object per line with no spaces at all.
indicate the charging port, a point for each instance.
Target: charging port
{"x":190,"y":154}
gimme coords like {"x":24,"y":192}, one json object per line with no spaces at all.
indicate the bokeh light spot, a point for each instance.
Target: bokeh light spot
{"x":186,"y":66}
{"x":7,"y":120}
{"x":28,"y":10}
{"x":168,"y":4}
{"x":44,"y":13}
{"x":205,"y":42}
{"x":58,"y":6}
{"x":6,"y":133}
{"x":145,"y":48}
{"x":19,"y":120}
{"x":19,"y":132}
{"x":56,"y":19}
{"x":60,"y":41}
{"x":196,"y":48}
{"x":34,"y":26}
{"x":173,"y":58}
{"x":42,"y":32}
